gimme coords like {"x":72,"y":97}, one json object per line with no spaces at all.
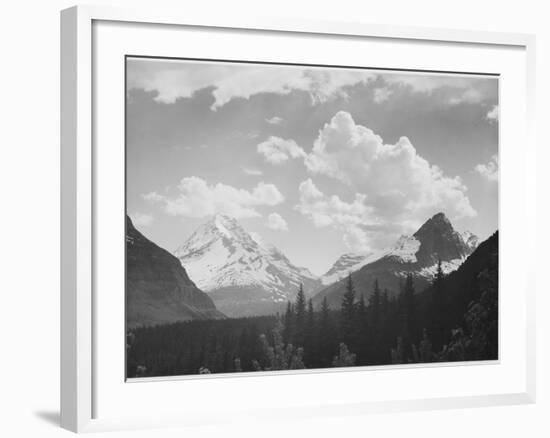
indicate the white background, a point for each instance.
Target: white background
{"x":29,"y":218}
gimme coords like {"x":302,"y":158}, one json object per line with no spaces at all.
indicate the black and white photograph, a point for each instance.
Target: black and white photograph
{"x":299,"y":217}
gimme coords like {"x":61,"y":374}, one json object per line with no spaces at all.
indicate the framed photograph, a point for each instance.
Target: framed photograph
{"x":262,"y":208}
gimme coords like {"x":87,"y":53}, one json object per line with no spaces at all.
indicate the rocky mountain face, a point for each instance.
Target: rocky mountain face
{"x":436,"y":240}
{"x":243,"y":275}
{"x":158,"y":289}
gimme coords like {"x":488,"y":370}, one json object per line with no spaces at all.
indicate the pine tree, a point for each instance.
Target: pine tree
{"x":288,"y":324}
{"x":362,"y":333}
{"x":348,"y":313}
{"x":408,"y":315}
{"x":348,"y":300}
{"x":375,"y":304}
{"x":324,"y":309}
{"x":385,"y":303}
{"x":438,"y":308}
{"x":300,"y":310}
{"x":326,"y":335}
{"x":361,"y":308}
{"x":374,"y":332}
{"x":300,"y":305}
{"x":310,"y":346}
{"x":310,"y":314}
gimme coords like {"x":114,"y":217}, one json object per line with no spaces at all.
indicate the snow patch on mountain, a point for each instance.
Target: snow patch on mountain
{"x":405,"y":249}
{"x":447,"y":267}
{"x":221,"y":254}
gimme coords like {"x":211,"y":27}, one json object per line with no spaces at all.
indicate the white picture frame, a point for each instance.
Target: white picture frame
{"x":79,"y":220}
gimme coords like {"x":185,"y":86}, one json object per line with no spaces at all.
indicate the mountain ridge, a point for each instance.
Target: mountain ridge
{"x":243,"y":275}
{"x":158,"y":289}
{"x":436,"y":240}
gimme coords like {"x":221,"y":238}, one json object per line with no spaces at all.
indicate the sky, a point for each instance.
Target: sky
{"x":318,"y":161}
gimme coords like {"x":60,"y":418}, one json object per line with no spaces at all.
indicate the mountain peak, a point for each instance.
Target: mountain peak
{"x":223,"y":218}
{"x":439,"y":218}
{"x":438,"y":223}
{"x":222,"y":222}
{"x":439,"y":241}
{"x":242,"y":273}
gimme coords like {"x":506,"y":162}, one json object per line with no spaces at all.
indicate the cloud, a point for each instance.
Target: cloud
{"x":471,"y":95}
{"x":489,"y":171}
{"x":276,"y":222}
{"x":492,"y":115}
{"x":394,"y":186}
{"x":176,"y":79}
{"x":252,"y":172}
{"x":172,"y":80}
{"x":153,"y":197}
{"x":141,"y":219}
{"x":325,"y":211}
{"x":382,"y":94}
{"x":196,"y":198}
{"x":277,"y":150}
{"x":275,"y":120}
{"x":453,"y":89}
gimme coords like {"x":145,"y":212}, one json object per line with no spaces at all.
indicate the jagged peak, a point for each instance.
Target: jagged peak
{"x":438,"y":222}
{"x":440,"y":216}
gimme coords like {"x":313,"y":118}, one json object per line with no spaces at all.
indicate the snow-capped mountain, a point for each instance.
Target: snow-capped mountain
{"x":243,"y":275}
{"x":405,"y":250}
{"x":419,"y":254}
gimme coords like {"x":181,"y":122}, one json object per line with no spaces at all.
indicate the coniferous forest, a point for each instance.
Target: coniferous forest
{"x":454,"y":319}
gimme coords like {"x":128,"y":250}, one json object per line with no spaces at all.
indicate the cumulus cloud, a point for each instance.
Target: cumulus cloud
{"x":325,"y":211}
{"x":275,"y":120}
{"x":277,"y":150}
{"x":382,"y":94}
{"x":489,"y":171}
{"x":196,"y":198}
{"x":172,"y":80}
{"x":276,"y":222}
{"x":392,"y":183}
{"x":492,"y":115}
{"x":141,"y":219}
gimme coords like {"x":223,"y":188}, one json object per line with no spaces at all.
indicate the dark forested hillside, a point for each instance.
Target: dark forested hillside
{"x":454,"y":319}
{"x":158,"y":290}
